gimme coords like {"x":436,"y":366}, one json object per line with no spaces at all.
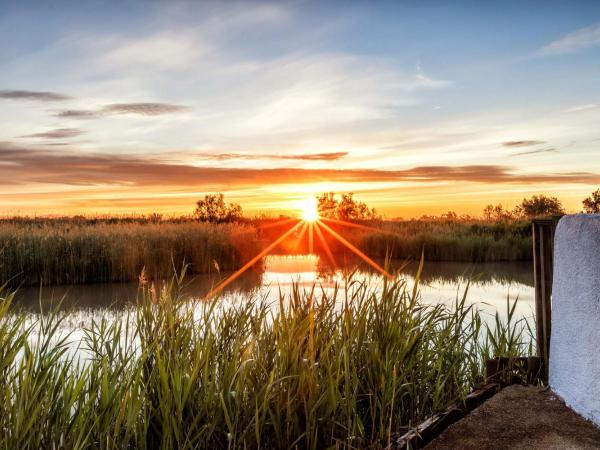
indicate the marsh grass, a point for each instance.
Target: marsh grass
{"x":91,"y":250}
{"x":71,"y":252}
{"x":439,"y":239}
{"x":444,"y":240}
{"x":316,"y":370}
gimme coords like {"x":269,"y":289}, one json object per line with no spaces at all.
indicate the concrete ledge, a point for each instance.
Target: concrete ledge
{"x":575,"y":339}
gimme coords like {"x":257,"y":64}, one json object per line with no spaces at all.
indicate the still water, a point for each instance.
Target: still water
{"x":490,"y":284}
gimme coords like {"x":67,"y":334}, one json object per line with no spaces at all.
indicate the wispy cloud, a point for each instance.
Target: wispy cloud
{"x":78,"y":114}
{"x":167,"y":50}
{"x":267,"y":89}
{"x":33,"y":95}
{"x":584,"y":107}
{"x":577,"y":40}
{"x":305,"y":157}
{"x":58,"y":133}
{"x":262,"y":92}
{"x":177,"y":45}
{"x":533,"y":152}
{"x":142,"y":109}
{"x":525,"y":143}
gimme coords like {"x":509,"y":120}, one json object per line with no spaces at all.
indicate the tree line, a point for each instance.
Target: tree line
{"x":213,"y":208}
{"x":539,"y":206}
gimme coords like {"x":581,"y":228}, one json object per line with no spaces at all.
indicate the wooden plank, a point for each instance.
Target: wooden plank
{"x":543,"y":246}
{"x":548,"y":256}
{"x":527,"y":369}
{"x":429,"y":429}
{"x":537,"y":279}
{"x":500,"y":372}
{"x":544,"y":338}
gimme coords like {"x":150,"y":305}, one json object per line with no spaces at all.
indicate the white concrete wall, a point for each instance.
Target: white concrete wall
{"x":575,"y":335}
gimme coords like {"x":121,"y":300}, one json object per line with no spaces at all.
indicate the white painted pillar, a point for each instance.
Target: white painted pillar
{"x":575,"y":339}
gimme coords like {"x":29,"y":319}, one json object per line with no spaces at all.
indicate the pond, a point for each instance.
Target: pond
{"x":490,"y":284}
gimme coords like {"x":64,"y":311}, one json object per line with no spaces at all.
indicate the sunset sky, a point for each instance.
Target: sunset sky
{"x":419,"y":107}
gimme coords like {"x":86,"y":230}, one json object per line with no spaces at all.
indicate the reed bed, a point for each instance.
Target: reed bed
{"x":443,"y":240}
{"x":313,"y":371}
{"x":68,"y":252}
{"x":88,"y":250}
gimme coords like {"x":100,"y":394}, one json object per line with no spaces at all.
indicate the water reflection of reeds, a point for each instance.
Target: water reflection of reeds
{"x":279,"y":271}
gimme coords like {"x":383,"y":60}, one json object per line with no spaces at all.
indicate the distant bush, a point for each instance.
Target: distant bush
{"x":591,"y":204}
{"x":213,"y":209}
{"x":539,"y":206}
{"x":347,"y":208}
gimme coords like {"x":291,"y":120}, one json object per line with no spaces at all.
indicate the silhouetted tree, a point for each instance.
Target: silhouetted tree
{"x":327,"y":205}
{"x":155,"y":218}
{"x":213,"y":209}
{"x":497,"y":213}
{"x":450,"y":215}
{"x":347,"y":208}
{"x":539,"y":206}
{"x":591,"y":204}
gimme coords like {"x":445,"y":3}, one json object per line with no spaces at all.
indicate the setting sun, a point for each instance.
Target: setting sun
{"x":310,"y":212}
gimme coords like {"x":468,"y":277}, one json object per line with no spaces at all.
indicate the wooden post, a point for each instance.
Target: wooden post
{"x":543,"y":245}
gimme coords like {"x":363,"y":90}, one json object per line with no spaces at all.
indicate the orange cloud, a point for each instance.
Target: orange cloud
{"x":26,"y":165}
{"x":305,"y":157}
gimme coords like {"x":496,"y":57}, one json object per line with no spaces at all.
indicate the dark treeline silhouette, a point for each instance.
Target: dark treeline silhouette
{"x":529,"y":208}
{"x":347,"y":208}
{"x":591,"y":204}
{"x":213,"y":209}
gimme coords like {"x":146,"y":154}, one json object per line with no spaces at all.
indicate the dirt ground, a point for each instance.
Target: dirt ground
{"x":520,"y":417}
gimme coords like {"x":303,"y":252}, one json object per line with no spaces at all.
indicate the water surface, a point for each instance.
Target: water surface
{"x":489,"y":284}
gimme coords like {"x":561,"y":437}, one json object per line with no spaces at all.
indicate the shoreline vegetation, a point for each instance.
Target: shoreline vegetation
{"x":313,"y":372}
{"x":218,"y":237}
{"x":80,"y":250}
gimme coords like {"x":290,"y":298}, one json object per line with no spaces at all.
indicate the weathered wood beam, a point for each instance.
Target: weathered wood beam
{"x":543,"y":247}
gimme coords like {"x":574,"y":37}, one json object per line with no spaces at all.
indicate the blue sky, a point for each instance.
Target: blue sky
{"x":418,"y":107}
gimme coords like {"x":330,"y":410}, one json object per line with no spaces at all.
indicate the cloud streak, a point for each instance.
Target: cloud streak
{"x":24,"y":166}
{"x":578,"y":108}
{"x":78,"y":114}
{"x":33,"y":95}
{"x":533,"y":152}
{"x":142,"y":109}
{"x":526,"y":143}
{"x":304,"y":157}
{"x":581,"y":39}
{"x":58,"y":133}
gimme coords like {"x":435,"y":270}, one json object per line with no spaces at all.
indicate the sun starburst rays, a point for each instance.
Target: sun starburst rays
{"x":356,"y":251}
{"x":325,"y":245}
{"x":310,"y":224}
{"x":253,"y":261}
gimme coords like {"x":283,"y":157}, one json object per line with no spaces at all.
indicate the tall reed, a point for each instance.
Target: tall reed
{"x":444,"y":240}
{"x":55,"y":252}
{"x":316,"y":370}
{"x":86,"y":250}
